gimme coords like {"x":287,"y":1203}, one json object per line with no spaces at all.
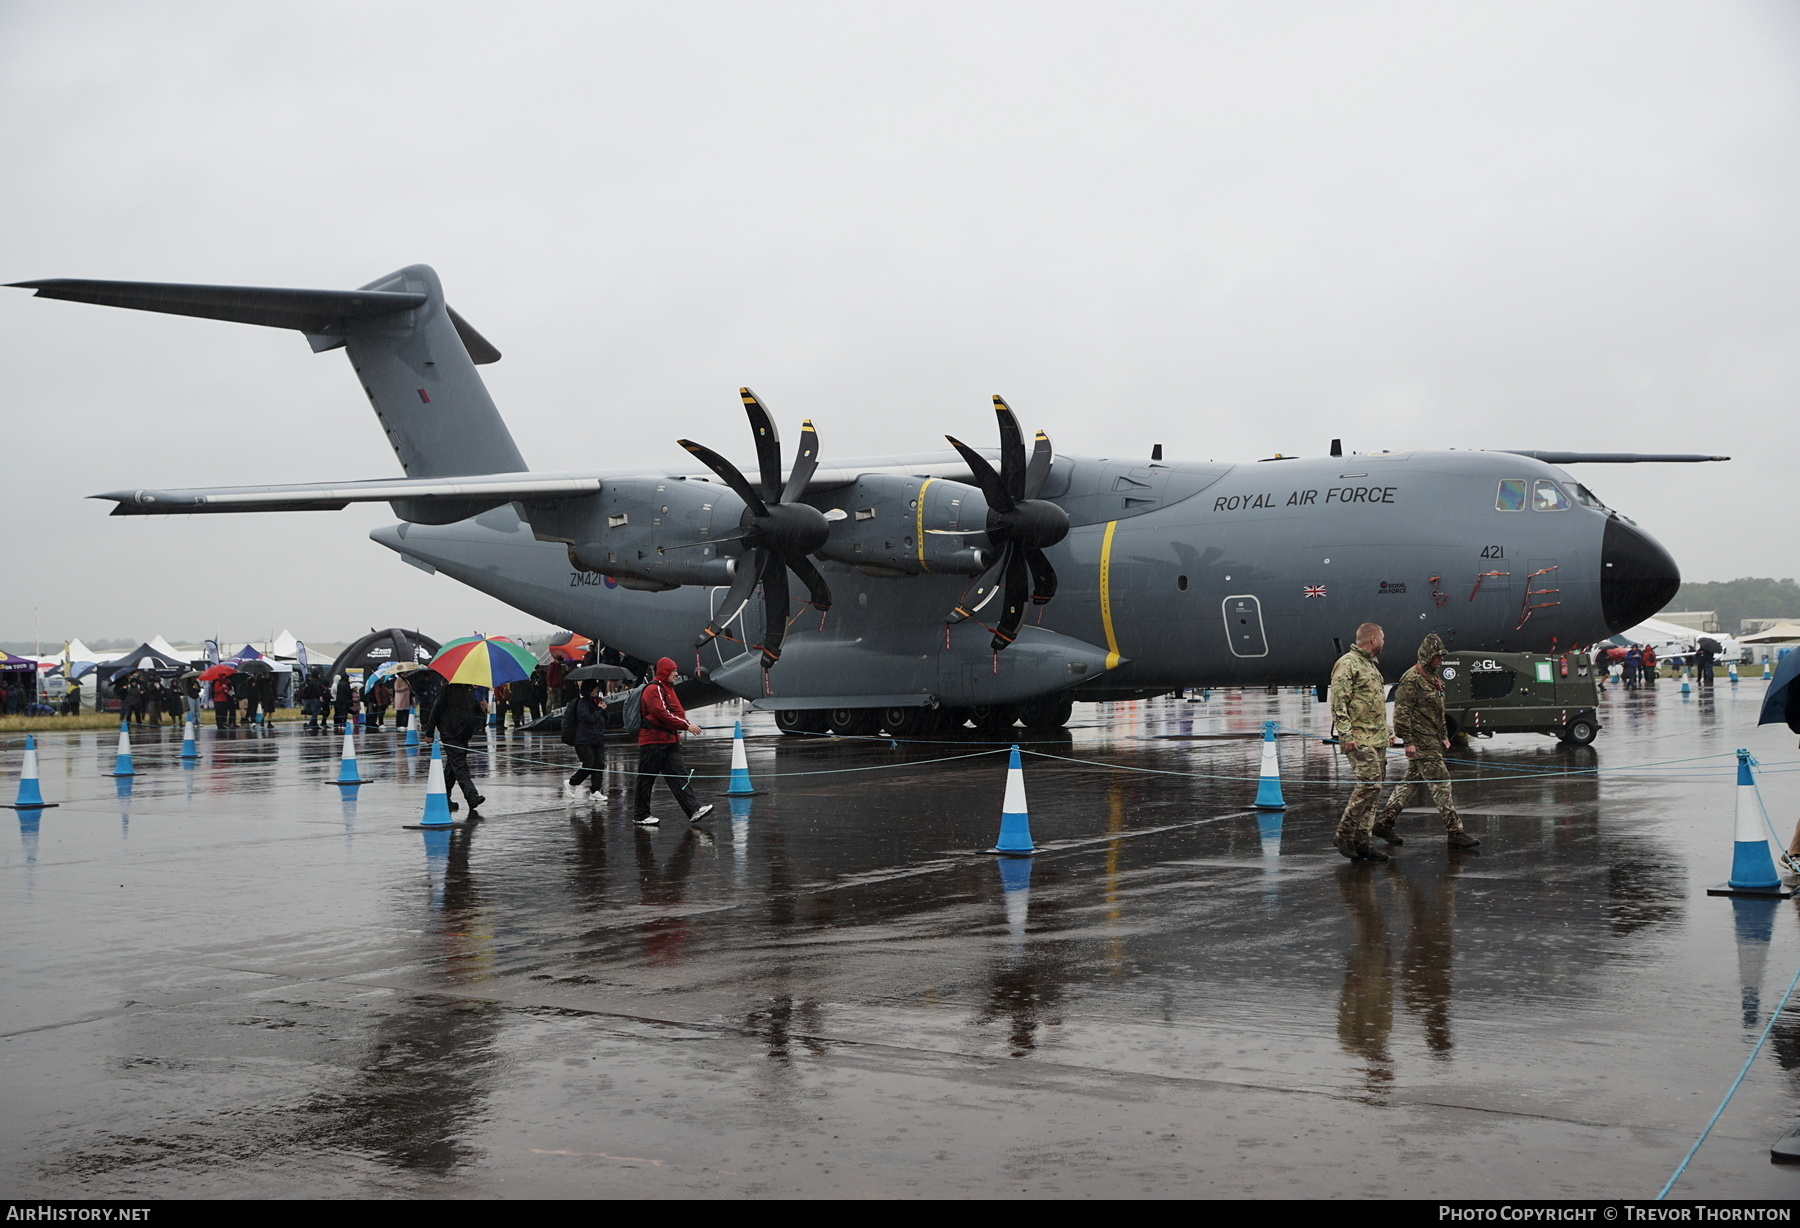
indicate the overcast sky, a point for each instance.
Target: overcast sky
{"x":1236,"y":229}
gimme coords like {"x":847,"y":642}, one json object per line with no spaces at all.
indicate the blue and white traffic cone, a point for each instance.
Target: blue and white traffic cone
{"x":1268,"y":785}
{"x":1731,"y":673}
{"x":740,"y":765}
{"x":30,"y":796}
{"x":188,"y":749}
{"x":347,"y":773}
{"x":1684,"y":682}
{"x":437,"y":801}
{"x":1752,"y":869}
{"x":412,"y":737}
{"x":122,"y":763}
{"x":1015,"y":820}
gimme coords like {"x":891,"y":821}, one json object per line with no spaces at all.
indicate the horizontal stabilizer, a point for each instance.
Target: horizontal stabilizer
{"x":492,"y":489}
{"x":318,"y":313}
{"x":1613,"y":458}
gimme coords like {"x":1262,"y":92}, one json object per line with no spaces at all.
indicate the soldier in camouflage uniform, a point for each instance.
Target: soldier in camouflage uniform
{"x":1359,"y":711}
{"x":1419,"y":723}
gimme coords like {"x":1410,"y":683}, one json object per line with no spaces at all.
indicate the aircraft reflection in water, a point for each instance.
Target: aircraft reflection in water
{"x":920,"y":570}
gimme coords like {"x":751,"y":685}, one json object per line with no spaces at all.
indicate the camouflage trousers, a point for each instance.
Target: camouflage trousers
{"x":1427,"y":770}
{"x":1370,"y":763}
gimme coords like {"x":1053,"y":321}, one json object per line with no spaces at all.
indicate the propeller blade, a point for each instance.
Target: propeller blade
{"x":1016,"y":595}
{"x":1012,"y":449}
{"x":805,"y":461}
{"x":986,"y":587}
{"x":992,"y":488}
{"x":1043,"y":576}
{"x":768,"y":443}
{"x":743,"y":583}
{"x":728,"y":473}
{"x":1038,"y":472}
{"x":775,"y":611}
{"x":817,"y":590}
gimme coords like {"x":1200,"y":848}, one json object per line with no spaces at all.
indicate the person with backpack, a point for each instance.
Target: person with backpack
{"x":584,"y":728}
{"x":661,"y":721}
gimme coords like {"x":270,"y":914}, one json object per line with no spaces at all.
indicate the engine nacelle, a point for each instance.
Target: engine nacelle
{"x":647,"y":532}
{"x":886,"y":518}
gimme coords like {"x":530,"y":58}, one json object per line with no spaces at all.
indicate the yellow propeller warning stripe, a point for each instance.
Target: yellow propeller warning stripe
{"x":1106,"y":621}
{"x":919,"y":524}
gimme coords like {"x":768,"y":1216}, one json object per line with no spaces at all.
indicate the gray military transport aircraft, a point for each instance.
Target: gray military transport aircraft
{"x":938,"y":587}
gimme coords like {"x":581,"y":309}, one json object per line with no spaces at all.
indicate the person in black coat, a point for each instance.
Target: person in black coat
{"x":584,"y":728}
{"x":342,"y":703}
{"x":456,"y":717}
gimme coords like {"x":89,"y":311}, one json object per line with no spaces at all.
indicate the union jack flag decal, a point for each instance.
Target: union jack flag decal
{"x":1315,"y":590}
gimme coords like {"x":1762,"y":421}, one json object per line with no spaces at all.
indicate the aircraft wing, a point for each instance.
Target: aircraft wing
{"x":1612,"y":458}
{"x":492,"y":489}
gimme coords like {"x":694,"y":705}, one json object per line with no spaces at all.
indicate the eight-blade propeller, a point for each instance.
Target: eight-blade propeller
{"x":1019,"y":524}
{"x":778,"y":532}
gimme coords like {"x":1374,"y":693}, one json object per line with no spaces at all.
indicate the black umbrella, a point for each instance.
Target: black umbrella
{"x":253,"y":667}
{"x":1710,"y":644}
{"x":605,"y":673}
{"x":1781,"y":704}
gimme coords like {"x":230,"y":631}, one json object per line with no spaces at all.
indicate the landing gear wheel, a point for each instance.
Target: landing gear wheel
{"x":909,"y":722}
{"x":1047,"y":714}
{"x":1580,"y":732}
{"x":855,"y":722}
{"x":994,"y":718}
{"x":798,"y":722}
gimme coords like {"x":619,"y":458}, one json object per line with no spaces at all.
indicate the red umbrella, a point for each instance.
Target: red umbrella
{"x":216,"y":672}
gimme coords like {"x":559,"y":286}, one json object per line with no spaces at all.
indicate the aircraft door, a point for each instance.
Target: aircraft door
{"x":1244,"y":626}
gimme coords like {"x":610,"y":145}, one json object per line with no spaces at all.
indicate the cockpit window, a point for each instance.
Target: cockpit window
{"x":1512,"y":495}
{"x":1586,"y":497}
{"x":1549,"y":497}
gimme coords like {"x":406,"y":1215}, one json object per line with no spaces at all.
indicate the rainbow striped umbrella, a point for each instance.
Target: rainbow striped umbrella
{"x":484,"y":660}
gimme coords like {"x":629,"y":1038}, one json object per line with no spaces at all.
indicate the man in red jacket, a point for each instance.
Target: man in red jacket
{"x":661,"y":722}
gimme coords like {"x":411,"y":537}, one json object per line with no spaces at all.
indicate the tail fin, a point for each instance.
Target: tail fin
{"x":414,"y":356}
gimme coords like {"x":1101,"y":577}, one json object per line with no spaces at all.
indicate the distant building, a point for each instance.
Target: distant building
{"x":1694,"y":620}
{"x":1752,"y":625}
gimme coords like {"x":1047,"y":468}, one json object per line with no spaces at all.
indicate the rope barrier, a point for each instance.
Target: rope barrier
{"x":1735,"y":1083}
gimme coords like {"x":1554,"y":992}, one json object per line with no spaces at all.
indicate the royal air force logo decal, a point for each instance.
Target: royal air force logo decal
{"x":1315,"y":590}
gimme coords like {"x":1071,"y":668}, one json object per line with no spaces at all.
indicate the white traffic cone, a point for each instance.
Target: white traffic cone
{"x":1015,"y":819}
{"x":1268,"y":785}
{"x":30,"y":796}
{"x":740,"y":765}
{"x":122,"y":762}
{"x":1752,"y":869}
{"x":347,"y":773}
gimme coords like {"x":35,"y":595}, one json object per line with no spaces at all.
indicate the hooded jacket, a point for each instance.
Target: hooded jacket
{"x":1419,"y":702}
{"x":661,"y":717}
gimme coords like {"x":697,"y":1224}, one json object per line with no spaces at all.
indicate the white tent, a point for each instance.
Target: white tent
{"x":1673,"y":639}
{"x":161,"y":645}
{"x":1784,"y":632}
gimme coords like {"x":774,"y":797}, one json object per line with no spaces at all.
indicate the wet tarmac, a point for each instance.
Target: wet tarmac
{"x":231,"y":979}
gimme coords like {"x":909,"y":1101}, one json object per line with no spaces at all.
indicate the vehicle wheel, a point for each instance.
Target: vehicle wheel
{"x":854,"y":722}
{"x":909,"y":722}
{"x":798,"y":722}
{"x":1580,"y":732}
{"x":994,"y":718}
{"x":1048,"y":714}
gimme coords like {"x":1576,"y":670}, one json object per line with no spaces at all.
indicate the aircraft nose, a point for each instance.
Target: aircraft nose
{"x":1637,"y":576}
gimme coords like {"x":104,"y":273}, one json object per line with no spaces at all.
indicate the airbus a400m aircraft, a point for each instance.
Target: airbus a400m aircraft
{"x":941,"y":586}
